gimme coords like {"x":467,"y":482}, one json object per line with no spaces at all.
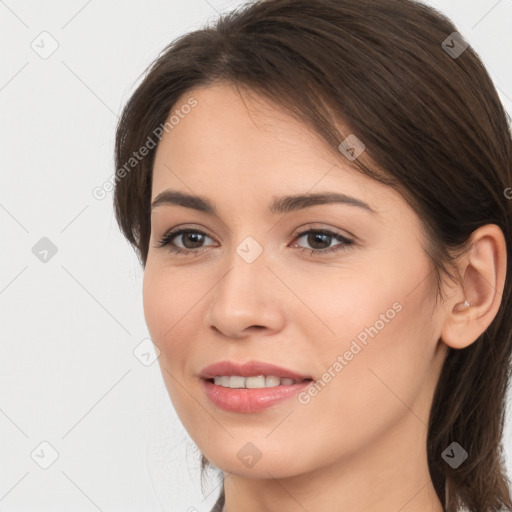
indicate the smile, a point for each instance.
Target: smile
{"x":256,"y":382}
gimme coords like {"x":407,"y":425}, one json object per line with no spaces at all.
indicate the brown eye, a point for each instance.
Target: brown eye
{"x":191,"y":239}
{"x":320,"y":240}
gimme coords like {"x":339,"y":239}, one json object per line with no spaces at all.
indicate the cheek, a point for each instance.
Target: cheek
{"x":380,"y":349}
{"x":154,"y":303}
{"x":166,"y":311}
{"x":169,"y":318}
{"x":386,"y":342}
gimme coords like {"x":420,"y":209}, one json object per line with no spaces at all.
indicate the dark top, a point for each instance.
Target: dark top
{"x":219,"y":503}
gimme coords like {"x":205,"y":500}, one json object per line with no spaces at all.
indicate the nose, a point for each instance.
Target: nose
{"x":247,"y":299}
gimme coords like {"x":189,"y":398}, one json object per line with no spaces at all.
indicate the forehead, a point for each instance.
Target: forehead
{"x":233,"y":125}
{"x":230,"y":138}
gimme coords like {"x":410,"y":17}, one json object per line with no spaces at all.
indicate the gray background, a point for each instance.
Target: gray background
{"x":72,"y":367}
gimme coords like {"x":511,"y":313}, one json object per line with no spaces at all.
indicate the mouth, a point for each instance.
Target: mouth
{"x":250,"y":387}
{"x":254,"y":382}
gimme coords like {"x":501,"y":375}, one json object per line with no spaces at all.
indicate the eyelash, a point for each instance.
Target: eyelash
{"x":168,"y":237}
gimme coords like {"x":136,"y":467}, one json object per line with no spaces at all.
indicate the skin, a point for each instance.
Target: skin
{"x":360,"y":443}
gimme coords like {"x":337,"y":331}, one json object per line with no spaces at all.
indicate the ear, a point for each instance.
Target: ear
{"x":484,"y":267}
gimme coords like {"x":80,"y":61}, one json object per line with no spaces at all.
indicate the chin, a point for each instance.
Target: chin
{"x":246,"y":460}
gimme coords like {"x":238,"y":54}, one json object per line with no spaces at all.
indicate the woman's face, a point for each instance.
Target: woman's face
{"x":358,"y":316}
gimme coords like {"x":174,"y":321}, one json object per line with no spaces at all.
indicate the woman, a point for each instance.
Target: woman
{"x":318,"y":197}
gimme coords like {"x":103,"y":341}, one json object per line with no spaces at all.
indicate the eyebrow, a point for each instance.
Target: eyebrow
{"x":283,"y":204}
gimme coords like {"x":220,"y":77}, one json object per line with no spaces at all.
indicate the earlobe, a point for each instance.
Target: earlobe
{"x":475,"y":301}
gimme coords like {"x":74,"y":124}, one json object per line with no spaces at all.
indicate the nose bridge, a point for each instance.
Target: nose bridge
{"x":245,"y":296}
{"x":247,"y":268}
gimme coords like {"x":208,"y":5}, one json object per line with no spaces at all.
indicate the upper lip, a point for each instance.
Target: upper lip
{"x":249,"y":369}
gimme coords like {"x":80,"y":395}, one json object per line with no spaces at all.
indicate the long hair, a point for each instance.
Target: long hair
{"x":396,"y":74}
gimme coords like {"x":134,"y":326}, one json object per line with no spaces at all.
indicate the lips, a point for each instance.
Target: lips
{"x":250,"y":400}
{"x":253,"y":400}
{"x":250,"y":369}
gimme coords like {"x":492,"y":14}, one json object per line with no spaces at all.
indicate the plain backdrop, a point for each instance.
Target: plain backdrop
{"x":85,"y":422}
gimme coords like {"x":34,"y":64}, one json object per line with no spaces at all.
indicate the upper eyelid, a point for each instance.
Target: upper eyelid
{"x":296,"y":232}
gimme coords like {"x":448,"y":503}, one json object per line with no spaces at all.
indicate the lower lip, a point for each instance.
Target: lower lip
{"x":250,"y":400}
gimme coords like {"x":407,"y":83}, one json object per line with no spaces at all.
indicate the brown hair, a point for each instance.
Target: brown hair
{"x":433,"y":127}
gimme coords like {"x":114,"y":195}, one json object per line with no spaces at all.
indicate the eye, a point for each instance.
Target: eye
{"x":323,"y":238}
{"x":191,"y":240}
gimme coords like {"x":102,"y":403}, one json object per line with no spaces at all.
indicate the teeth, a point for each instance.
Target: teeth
{"x":222,"y":381}
{"x":272,"y":381}
{"x":236,"y":382}
{"x":255,"y":382}
{"x":261,"y":381}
